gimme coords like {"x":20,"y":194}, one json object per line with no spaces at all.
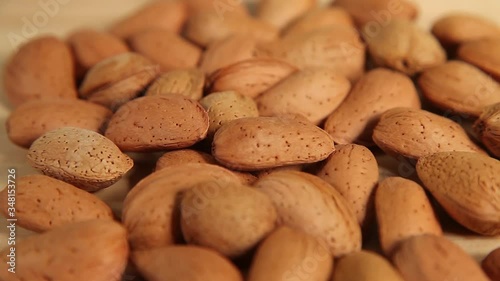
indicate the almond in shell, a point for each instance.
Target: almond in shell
{"x":378,"y":12}
{"x":487,"y":127}
{"x":183,"y":156}
{"x":458,"y":28}
{"x":280,"y":13}
{"x":483,"y":54}
{"x":491,"y":265}
{"x":365,"y":266}
{"x":188,"y":83}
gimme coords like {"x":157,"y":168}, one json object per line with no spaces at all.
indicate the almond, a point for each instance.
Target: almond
{"x":319,"y":18}
{"x":491,"y":265}
{"x":178,"y":262}
{"x":44,"y":203}
{"x":269,"y":142}
{"x":458,"y":28}
{"x":280,"y":13}
{"x":377,"y":91}
{"x":403,"y":46}
{"x":183,"y":156}
{"x":80,"y":157}
{"x":403,"y":210}
{"x":353,"y":171}
{"x":165,"y":48}
{"x":289,"y":254}
{"x":365,"y":266}
{"x":153,"y":123}
{"x":41,"y":68}
{"x":414,"y":133}
{"x":378,"y":12}
{"x":250,"y":77}
{"x":32,"y":119}
{"x":459,"y":87}
{"x":69,"y":253}
{"x":313,"y":93}
{"x":210,"y":209}
{"x":188,"y":83}
{"x":164,"y":14}
{"x":157,"y":195}
{"x":429,"y":258}
{"x":118,"y":79}
{"x":308,"y":203}
{"x":483,"y":54}
{"x":224,"y":107}
{"x":221,"y":7}
{"x":487,"y":127}
{"x":467,"y":186}
{"x":91,"y":47}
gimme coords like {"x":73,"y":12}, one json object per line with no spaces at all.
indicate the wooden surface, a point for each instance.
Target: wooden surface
{"x":100,"y":14}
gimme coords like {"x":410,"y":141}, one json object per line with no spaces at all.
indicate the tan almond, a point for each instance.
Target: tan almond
{"x":227,"y":51}
{"x":459,"y":87}
{"x":319,"y":18}
{"x":183,"y":156}
{"x":91,"y":47}
{"x":466,"y":185}
{"x":158,"y":196}
{"x":289,"y":254}
{"x":165,"y":14}
{"x":221,"y":7}
{"x":353,"y":171}
{"x":313,"y":93}
{"x":69,"y":253}
{"x":415,"y":133}
{"x":308,"y":203}
{"x":210,"y":209}
{"x":179,"y":262}
{"x":429,"y":258}
{"x":378,"y":12}
{"x":32,"y":119}
{"x":491,"y":265}
{"x":250,"y":77}
{"x":153,"y":123}
{"x":280,"y":13}
{"x":165,"y":48}
{"x":487,"y":127}
{"x":269,"y":142}
{"x":188,"y":83}
{"x":80,"y":157}
{"x":483,"y":54}
{"x":118,"y":79}
{"x":377,"y":91}
{"x":44,"y":55}
{"x":336,"y":47}
{"x":224,"y":107}
{"x":458,"y":28}
{"x":403,"y":210}
{"x":365,"y":266}
{"x":206,"y":28}
{"x":403,"y":46}
{"x":44,"y":203}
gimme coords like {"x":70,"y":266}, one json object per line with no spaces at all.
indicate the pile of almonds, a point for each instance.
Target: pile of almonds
{"x":271,"y":127}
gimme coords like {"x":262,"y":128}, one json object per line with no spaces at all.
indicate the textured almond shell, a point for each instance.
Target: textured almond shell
{"x":467,"y":186}
{"x":365,"y":266}
{"x":318,"y":18}
{"x":183,"y":156}
{"x":306,"y":202}
{"x":269,"y":142}
{"x":487,"y":127}
{"x":280,"y":13}
{"x":80,"y":157}
{"x":188,"y":83}
{"x":458,"y":28}
{"x":377,"y":11}
{"x":483,"y":54}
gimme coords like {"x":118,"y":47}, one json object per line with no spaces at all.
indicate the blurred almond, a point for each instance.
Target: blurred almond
{"x":378,"y":12}
{"x":282,"y":12}
{"x":188,"y":83}
{"x":318,"y":18}
{"x":491,"y":265}
{"x":487,"y":127}
{"x":365,"y":266}
{"x":484,"y":53}
{"x":458,"y":28}
{"x":183,"y":156}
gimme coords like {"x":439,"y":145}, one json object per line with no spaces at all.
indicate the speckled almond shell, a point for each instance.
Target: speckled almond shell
{"x":403,"y":210}
{"x":34,"y":118}
{"x":250,"y":77}
{"x":281,"y":13}
{"x":183,"y":156}
{"x":483,"y":54}
{"x":178,"y":262}
{"x":491,"y":265}
{"x":189,"y":83}
{"x":44,"y":203}
{"x":69,"y":253}
{"x":153,"y":123}
{"x":414,"y":133}
{"x":369,"y":11}
{"x":458,"y":28}
{"x":467,"y":186}
{"x":308,"y":203}
{"x":313,"y":93}
{"x":44,"y":55}
{"x":269,"y":142}
{"x":377,"y":91}
{"x":487,"y":127}
{"x":317,"y":19}
{"x":353,"y":171}
{"x":80,"y":157}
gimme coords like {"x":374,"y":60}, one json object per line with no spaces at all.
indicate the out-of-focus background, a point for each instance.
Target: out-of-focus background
{"x":24,"y":19}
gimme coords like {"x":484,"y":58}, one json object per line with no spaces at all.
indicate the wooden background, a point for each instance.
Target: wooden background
{"x":71,"y":14}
